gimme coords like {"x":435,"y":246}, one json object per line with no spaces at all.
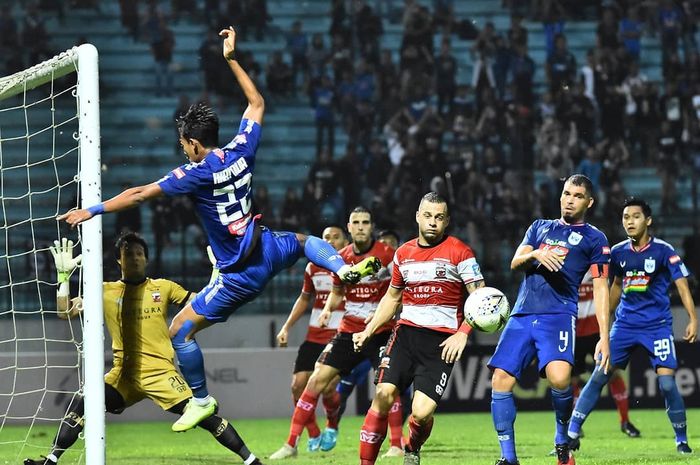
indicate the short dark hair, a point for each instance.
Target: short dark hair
{"x":361,"y":209}
{"x":336,"y":226}
{"x":637,"y":202}
{"x":581,"y":180}
{"x":126,"y":239}
{"x":201,"y":123}
{"x":434,"y":197}
{"x":389,"y":232}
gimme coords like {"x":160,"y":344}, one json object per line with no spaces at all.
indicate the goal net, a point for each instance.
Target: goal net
{"x":49,"y":163}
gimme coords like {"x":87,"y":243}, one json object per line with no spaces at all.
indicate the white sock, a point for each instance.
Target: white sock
{"x":251,"y":458}
{"x":53,"y":458}
{"x":202,"y":401}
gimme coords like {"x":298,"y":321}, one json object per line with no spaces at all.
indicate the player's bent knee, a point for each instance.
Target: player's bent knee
{"x":501,"y":381}
{"x":385,"y":396}
{"x":667,"y":383}
{"x":180,"y":335}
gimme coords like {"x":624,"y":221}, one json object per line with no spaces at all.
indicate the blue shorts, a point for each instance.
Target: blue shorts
{"x":547,"y":336}
{"x":658,"y":342}
{"x":274,"y":252}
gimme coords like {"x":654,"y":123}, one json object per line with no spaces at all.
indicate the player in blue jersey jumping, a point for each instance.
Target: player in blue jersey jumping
{"x":555,"y":255}
{"x":643,"y":268}
{"x":248,"y":255}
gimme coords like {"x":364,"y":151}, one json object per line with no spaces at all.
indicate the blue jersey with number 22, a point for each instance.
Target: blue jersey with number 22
{"x":220,"y":187}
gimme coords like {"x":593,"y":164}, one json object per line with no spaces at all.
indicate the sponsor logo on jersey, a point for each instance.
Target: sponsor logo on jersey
{"x":622,"y":264}
{"x":574,"y":238}
{"x":384,"y":363}
{"x":156,"y":296}
{"x":649,"y":265}
{"x":179,"y":173}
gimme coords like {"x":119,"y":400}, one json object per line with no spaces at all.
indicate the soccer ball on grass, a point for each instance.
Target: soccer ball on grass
{"x":487,"y":309}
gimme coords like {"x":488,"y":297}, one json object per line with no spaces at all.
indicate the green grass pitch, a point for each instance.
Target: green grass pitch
{"x":465,"y":439}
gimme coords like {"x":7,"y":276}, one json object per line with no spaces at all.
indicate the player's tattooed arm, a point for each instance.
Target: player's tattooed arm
{"x":474,"y":285}
{"x":334,"y":299}
{"x":526,"y":256}
{"x":691,"y":331}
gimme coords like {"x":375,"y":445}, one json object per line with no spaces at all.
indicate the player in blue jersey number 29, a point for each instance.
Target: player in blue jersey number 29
{"x":643,"y":268}
{"x":248,"y":255}
{"x":555,"y":255}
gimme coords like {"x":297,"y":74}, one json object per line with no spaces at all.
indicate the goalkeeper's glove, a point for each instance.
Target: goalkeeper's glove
{"x":65,"y":264}
{"x":214,"y":269}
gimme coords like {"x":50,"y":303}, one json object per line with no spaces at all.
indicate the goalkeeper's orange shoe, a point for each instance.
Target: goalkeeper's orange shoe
{"x":194,"y":413}
{"x":353,"y":274}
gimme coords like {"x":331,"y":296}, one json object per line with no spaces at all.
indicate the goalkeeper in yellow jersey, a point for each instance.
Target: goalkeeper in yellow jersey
{"x":135,"y":309}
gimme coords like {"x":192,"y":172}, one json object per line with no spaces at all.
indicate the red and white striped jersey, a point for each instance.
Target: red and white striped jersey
{"x":319,"y":281}
{"x":587,"y":323}
{"x":433,"y":281}
{"x":362,"y":298}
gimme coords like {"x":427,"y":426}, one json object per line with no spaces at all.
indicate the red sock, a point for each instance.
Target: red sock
{"x":418,"y":433}
{"x":312,"y":427}
{"x":331,"y":403}
{"x":371,"y":436}
{"x":396,"y":424}
{"x":305,"y":409}
{"x":618,"y":390}
{"x":577,"y":390}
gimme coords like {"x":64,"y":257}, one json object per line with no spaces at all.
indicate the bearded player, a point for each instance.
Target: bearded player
{"x":339,"y":357}
{"x":430,"y":276}
{"x":554,"y":255}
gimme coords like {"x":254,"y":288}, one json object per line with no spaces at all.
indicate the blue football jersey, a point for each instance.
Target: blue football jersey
{"x":220,"y":187}
{"x":646,"y":275}
{"x":583,"y":247}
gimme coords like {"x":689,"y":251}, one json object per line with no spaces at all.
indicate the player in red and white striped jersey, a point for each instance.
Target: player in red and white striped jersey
{"x":339,"y":358}
{"x":587,"y":335}
{"x":317,"y":285}
{"x":429,"y":279}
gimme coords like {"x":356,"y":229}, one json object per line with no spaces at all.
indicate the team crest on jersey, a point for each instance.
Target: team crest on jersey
{"x":440,"y":271}
{"x":155,"y":296}
{"x":649,"y":265}
{"x":574,"y":238}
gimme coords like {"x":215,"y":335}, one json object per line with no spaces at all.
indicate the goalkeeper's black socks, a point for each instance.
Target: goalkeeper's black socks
{"x":228,"y":437}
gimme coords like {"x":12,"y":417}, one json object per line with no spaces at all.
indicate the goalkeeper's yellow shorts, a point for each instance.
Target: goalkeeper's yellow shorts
{"x":165,"y":387}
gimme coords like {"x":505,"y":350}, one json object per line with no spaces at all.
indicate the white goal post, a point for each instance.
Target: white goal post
{"x":81,"y":128}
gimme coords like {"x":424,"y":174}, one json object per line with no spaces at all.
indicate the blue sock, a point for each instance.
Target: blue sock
{"x":191,"y":361}
{"x":321,"y":253}
{"x":587,"y":401}
{"x":503,"y":413}
{"x":563,"y":403}
{"x":675,"y":408}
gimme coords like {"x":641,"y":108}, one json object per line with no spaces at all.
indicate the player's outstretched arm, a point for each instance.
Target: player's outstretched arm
{"x":298,"y":309}
{"x":691,"y":331}
{"x":386,"y":310}
{"x":62,"y":252}
{"x":601,"y":301}
{"x":130,"y":198}
{"x":256,"y":103}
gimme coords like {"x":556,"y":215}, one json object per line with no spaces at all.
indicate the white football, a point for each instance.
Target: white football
{"x":487,"y":309}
